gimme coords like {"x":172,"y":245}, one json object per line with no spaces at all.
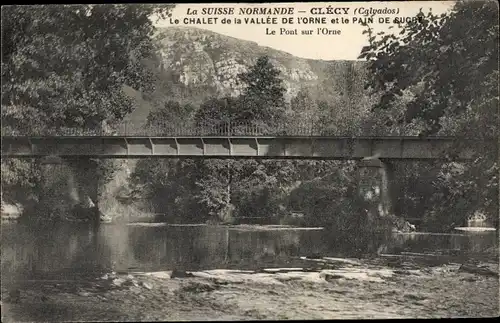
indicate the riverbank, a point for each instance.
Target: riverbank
{"x":346,"y":289}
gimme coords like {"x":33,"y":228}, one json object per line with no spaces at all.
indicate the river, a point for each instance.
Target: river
{"x":74,"y":249}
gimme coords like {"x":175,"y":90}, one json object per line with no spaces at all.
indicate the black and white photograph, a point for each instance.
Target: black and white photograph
{"x":250,"y":161}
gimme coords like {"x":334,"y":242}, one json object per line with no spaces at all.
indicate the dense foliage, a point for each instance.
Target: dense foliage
{"x":263,"y":97}
{"x":65,"y":66}
{"x":449,"y":62}
{"x":439,"y":75}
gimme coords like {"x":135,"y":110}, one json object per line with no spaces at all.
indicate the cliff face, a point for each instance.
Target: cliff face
{"x":201,"y":57}
{"x":194,"y":64}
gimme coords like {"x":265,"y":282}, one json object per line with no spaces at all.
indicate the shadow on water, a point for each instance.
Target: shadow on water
{"x":70,"y":250}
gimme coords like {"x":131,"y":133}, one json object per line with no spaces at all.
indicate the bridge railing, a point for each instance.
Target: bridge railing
{"x":219,"y":129}
{"x":244,"y":128}
{"x":169,"y":129}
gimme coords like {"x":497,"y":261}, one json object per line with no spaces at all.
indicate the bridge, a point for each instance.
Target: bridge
{"x":234,"y":141}
{"x":66,"y":153}
{"x":390,"y":147}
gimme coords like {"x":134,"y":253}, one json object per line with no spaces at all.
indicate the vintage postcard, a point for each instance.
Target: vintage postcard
{"x":240,"y":161}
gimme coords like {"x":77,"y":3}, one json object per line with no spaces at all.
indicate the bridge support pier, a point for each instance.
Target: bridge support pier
{"x":69,"y":189}
{"x":375,"y":188}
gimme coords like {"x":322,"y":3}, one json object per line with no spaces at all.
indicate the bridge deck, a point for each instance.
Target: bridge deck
{"x":239,"y":146}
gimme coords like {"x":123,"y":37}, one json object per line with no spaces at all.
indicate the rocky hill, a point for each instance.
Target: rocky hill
{"x":194,"y":64}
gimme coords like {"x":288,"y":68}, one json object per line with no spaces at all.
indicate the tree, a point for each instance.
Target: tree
{"x":329,"y":198}
{"x":215,"y":114}
{"x":213,"y":182}
{"x":172,"y":113}
{"x":197,"y":190}
{"x":262,"y":103}
{"x":439,"y":75}
{"x":450,"y":62}
{"x":171,"y":118}
{"x":215,"y":177}
{"x":64,"y":66}
{"x":18,"y":186}
{"x":170,"y":184}
{"x":304,"y":111}
{"x":263,"y":97}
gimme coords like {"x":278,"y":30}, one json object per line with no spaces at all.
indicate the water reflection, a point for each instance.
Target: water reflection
{"x":79,"y":249}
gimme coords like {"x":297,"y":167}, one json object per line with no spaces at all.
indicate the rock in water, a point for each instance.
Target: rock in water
{"x":135,"y":290}
{"x":198,"y":287}
{"x":118,"y":282}
{"x":477,"y":270}
{"x":331,"y":277}
{"x":147,"y":285}
{"x":84,"y":294}
{"x":180,"y":274}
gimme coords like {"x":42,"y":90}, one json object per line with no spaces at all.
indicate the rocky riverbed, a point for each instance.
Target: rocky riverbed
{"x":345,"y":289}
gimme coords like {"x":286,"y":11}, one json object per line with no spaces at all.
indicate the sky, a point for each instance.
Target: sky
{"x":344,"y":46}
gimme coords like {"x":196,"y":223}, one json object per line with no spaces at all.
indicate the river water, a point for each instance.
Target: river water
{"x":78,"y":249}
